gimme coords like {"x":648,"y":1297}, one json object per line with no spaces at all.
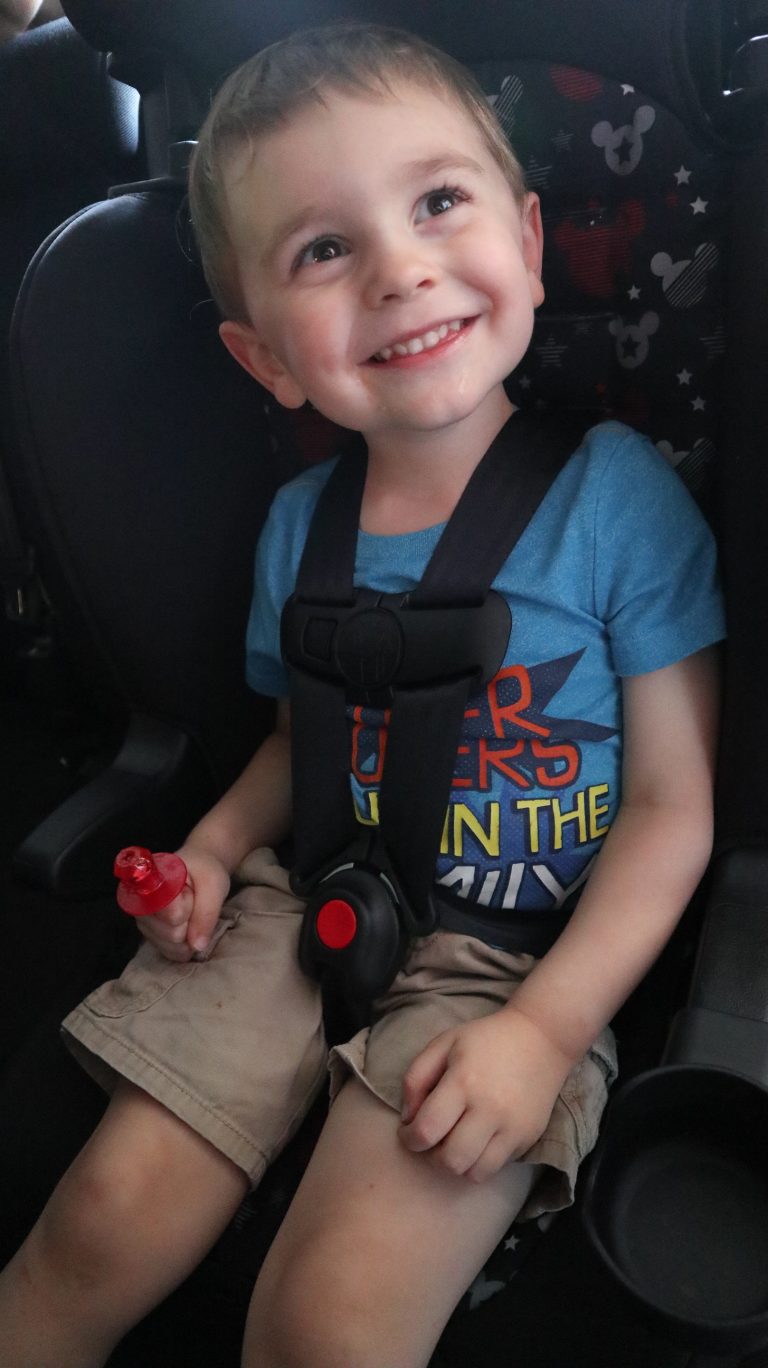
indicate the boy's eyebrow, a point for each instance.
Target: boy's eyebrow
{"x":435,"y":166}
{"x":286,"y":230}
{"x":423,"y":166}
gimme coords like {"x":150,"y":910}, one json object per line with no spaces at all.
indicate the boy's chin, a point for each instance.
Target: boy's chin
{"x":430,"y":412}
{"x":453,"y":411}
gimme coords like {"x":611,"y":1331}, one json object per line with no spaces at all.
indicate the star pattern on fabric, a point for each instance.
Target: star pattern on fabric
{"x":537,"y":175}
{"x":551,"y":351}
{"x":715,"y":341}
{"x":562,"y":141}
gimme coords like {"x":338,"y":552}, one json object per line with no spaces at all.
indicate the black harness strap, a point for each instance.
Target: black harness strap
{"x":421,"y":654}
{"x":497,"y":505}
{"x":327,"y":566}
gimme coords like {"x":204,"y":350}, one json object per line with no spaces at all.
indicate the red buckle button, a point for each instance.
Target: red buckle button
{"x":336,"y":924}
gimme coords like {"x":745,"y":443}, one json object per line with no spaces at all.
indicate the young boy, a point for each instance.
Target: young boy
{"x":367,"y":235}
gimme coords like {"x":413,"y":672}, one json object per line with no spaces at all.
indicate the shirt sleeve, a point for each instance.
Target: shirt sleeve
{"x":656,"y":578}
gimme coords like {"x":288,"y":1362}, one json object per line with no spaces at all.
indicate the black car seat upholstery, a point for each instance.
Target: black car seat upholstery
{"x":67,"y":133}
{"x":146,"y":462}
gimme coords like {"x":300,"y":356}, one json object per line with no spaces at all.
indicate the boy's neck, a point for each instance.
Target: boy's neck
{"x":415,"y":479}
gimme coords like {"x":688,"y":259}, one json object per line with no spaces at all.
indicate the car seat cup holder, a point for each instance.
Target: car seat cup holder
{"x":676,"y":1200}
{"x":147,"y":882}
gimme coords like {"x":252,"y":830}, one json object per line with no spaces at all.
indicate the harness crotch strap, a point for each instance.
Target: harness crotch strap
{"x":420,"y":655}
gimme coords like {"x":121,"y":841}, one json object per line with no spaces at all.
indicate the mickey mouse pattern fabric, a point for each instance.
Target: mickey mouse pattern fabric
{"x":634,"y":265}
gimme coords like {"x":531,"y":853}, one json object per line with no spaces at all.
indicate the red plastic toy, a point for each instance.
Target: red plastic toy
{"x":148,"y":882}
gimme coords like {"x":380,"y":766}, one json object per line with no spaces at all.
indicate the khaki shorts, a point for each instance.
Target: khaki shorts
{"x":234,"y":1044}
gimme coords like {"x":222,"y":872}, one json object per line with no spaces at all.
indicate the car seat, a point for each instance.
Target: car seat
{"x":67,"y":133}
{"x":141,"y":445}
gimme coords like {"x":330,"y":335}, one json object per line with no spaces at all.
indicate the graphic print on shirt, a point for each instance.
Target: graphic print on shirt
{"x":529,"y":806}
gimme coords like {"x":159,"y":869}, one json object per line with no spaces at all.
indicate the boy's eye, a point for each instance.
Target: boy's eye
{"x":322,"y":249}
{"x":438,"y":202}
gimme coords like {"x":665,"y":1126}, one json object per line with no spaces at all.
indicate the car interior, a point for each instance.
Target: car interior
{"x":137,"y":464}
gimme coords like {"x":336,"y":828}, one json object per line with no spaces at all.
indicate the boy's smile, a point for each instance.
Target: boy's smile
{"x":388,"y":274}
{"x":405,"y":348}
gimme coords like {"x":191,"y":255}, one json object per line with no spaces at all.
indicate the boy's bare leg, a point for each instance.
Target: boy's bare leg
{"x":375,"y":1251}
{"x":136,"y":1212}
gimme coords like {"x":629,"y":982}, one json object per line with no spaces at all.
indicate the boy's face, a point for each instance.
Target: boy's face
{"x":388,"y":275}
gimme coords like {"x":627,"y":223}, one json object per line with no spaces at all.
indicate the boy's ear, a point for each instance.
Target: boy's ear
{"x":242,"y":342}
{"x":533,"y":246}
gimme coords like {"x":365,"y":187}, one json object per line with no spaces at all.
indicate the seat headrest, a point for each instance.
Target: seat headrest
{"x":61,"y":118}
{"x":670,"y":48}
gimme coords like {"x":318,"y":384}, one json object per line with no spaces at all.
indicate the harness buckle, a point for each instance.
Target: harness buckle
{"x":352,"y":934}
{"x":382,"y":641}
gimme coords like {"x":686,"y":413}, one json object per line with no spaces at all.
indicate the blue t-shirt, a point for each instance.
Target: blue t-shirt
{"x":615,"y":575}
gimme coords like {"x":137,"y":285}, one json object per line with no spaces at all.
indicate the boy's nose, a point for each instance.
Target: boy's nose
{"x":397,"y":273}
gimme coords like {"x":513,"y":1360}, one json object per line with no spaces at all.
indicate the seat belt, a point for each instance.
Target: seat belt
{"x":420,"y":655}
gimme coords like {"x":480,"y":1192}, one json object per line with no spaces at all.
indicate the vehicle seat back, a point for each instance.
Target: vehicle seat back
{"x":67,"y":133}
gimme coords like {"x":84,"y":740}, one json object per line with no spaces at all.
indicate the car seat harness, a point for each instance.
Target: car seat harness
{"x":419,"y":655}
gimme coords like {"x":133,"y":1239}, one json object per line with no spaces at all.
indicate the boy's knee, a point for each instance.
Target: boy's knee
{"x":82,"y":1230}
{"x":281,"y":1321}
{"x":319,"y":1309}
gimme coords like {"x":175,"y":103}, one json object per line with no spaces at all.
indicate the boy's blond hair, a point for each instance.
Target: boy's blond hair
{"x":266,"y":91}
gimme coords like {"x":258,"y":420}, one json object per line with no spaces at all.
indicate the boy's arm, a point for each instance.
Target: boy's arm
{"x":652,"y":861}
{"x":255,"y":811}
{"x":482,"y":1111}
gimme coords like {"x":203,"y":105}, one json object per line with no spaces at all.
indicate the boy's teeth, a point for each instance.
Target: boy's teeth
{"x":419,"y":344}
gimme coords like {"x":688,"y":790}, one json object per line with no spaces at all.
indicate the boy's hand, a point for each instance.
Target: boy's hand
{"x":184,"y":927}
{"x":482,"y":1093}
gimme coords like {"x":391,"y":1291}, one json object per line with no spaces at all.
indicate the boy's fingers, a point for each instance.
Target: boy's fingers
{"x":205,"y":913}
{"x":169,"y":941}
{"x":178,"y":954}
{"x":464,"y":1145}
{"x":494,"y":1156}
{"x":162,"y":934}
{"x":435,"y":1118}
{"x":423,"y":1075}
{"x":177,"y":913}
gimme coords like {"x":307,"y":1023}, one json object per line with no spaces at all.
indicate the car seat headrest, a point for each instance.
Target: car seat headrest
{"x":206,"y":41}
